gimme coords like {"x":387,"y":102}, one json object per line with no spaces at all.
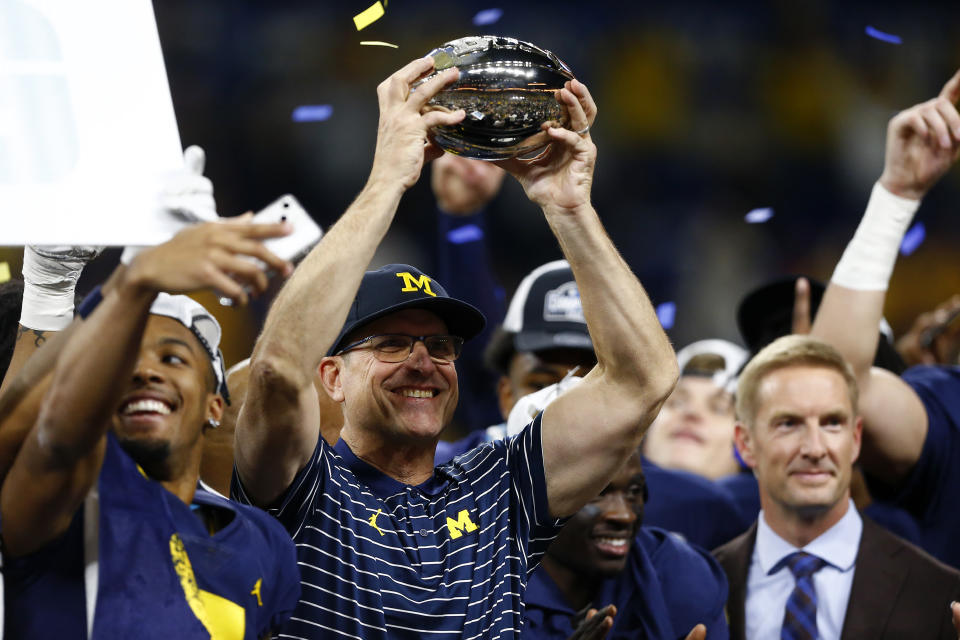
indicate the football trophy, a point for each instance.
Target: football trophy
{"x":507,"y":88}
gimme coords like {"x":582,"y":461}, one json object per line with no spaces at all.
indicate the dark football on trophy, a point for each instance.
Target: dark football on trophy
{"x":507,"y":88}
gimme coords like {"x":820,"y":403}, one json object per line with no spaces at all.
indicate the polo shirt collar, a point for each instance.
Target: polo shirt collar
{"x":380,"y":483}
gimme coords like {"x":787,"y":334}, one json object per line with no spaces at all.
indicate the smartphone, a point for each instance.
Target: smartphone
{"x":306,"y":233}
{"x":294,"y":247}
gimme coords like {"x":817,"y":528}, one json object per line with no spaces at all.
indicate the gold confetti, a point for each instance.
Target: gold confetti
{"x":378,"y":43}
{"x":4,"y":271}
{"x":367,"y":17}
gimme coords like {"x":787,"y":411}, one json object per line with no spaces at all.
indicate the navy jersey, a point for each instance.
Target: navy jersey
{"x":448,"y":558}
{"x":929,"y":491}
{"x":696,"y":508}
{"x":666,"y":589}
{"x":156,"y":566}
{"x":743,"y":487}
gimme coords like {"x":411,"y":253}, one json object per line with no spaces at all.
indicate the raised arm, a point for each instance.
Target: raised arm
{"x":923,"y":142}
{"x":589,"y":432}
{"x":61,"y":455}
{"x":278,"y":426}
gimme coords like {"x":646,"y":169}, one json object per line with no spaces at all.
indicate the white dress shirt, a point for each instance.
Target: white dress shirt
{"x":767,"y":593}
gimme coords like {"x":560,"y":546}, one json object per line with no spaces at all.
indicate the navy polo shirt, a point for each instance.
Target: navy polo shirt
{"x":666,"y":589}
{"x":448,"y":558}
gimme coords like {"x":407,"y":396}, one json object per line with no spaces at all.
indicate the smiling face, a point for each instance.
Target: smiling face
{"x":802,"y":443}
{"x":410,"y":400}
{"x":160,"y":419}
{"x":595,"y":542}
{"x":694,"y":430}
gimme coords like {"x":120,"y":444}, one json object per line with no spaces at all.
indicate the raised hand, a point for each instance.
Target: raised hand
{"x":212,"y":255}
{"x":922,"y":143}
{"x":402,"y":142}
{"x":934,"y":337}
{"x":463,"y":186}
{"x":561,"y":179}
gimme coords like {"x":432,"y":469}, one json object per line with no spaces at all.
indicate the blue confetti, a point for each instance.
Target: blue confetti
{"x":487,"y":16}
{"x":313,"y":113}
{"x":913,"y":238}
{"x":465,"y":234}
{"x":667,"y":314}
{"x":758,"y":216}
{"x":880,"y":35}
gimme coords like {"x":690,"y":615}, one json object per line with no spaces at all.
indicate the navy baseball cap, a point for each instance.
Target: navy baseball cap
{"x":399,"y":286}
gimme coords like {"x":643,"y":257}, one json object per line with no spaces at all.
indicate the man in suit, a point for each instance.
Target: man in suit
{"x":812,"y":566}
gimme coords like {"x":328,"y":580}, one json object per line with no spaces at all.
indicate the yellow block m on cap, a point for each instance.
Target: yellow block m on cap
{"x":414,"y":283}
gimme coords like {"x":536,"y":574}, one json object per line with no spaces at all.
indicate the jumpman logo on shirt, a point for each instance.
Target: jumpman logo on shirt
{"x":373,"y":521}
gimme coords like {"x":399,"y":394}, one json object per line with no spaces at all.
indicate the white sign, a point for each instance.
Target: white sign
{"x":87,"y":128}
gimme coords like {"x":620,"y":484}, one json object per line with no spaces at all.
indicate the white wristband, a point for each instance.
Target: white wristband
{"x":868,"y":261}
{"x":49,"y":288}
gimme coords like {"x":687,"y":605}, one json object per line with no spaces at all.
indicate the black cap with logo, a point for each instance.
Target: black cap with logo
{"x":395,"y":287}
{"x":545,"y":313}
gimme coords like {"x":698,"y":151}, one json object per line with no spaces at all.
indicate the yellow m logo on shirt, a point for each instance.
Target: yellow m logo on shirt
{"x":462,"y":524}
{"x":413,"y":283}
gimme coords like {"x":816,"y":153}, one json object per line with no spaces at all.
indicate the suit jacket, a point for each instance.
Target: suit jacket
{"x":898,"y":590}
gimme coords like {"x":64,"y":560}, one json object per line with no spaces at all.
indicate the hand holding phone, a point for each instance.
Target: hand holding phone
{"x":306,"y":233}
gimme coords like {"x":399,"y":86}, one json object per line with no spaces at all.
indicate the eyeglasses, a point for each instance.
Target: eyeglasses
{"x":397,"y":347}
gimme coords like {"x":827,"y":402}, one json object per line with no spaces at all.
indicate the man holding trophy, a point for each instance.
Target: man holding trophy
{"x":388,"y":545}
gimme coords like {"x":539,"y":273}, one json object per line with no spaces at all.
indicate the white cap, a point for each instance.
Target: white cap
{"x":733,"y":355}
{"x":202,"y":324}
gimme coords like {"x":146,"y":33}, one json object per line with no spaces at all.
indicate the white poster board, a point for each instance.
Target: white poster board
{"x":87,"y":128}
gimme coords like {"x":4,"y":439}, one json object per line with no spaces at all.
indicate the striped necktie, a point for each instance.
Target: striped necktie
{"x":800,"y":617}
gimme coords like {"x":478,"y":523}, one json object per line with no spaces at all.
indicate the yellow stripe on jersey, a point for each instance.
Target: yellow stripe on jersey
{"x":223,"y":619}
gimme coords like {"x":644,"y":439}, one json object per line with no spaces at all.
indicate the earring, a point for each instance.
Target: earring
{"x":212,"y":424}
